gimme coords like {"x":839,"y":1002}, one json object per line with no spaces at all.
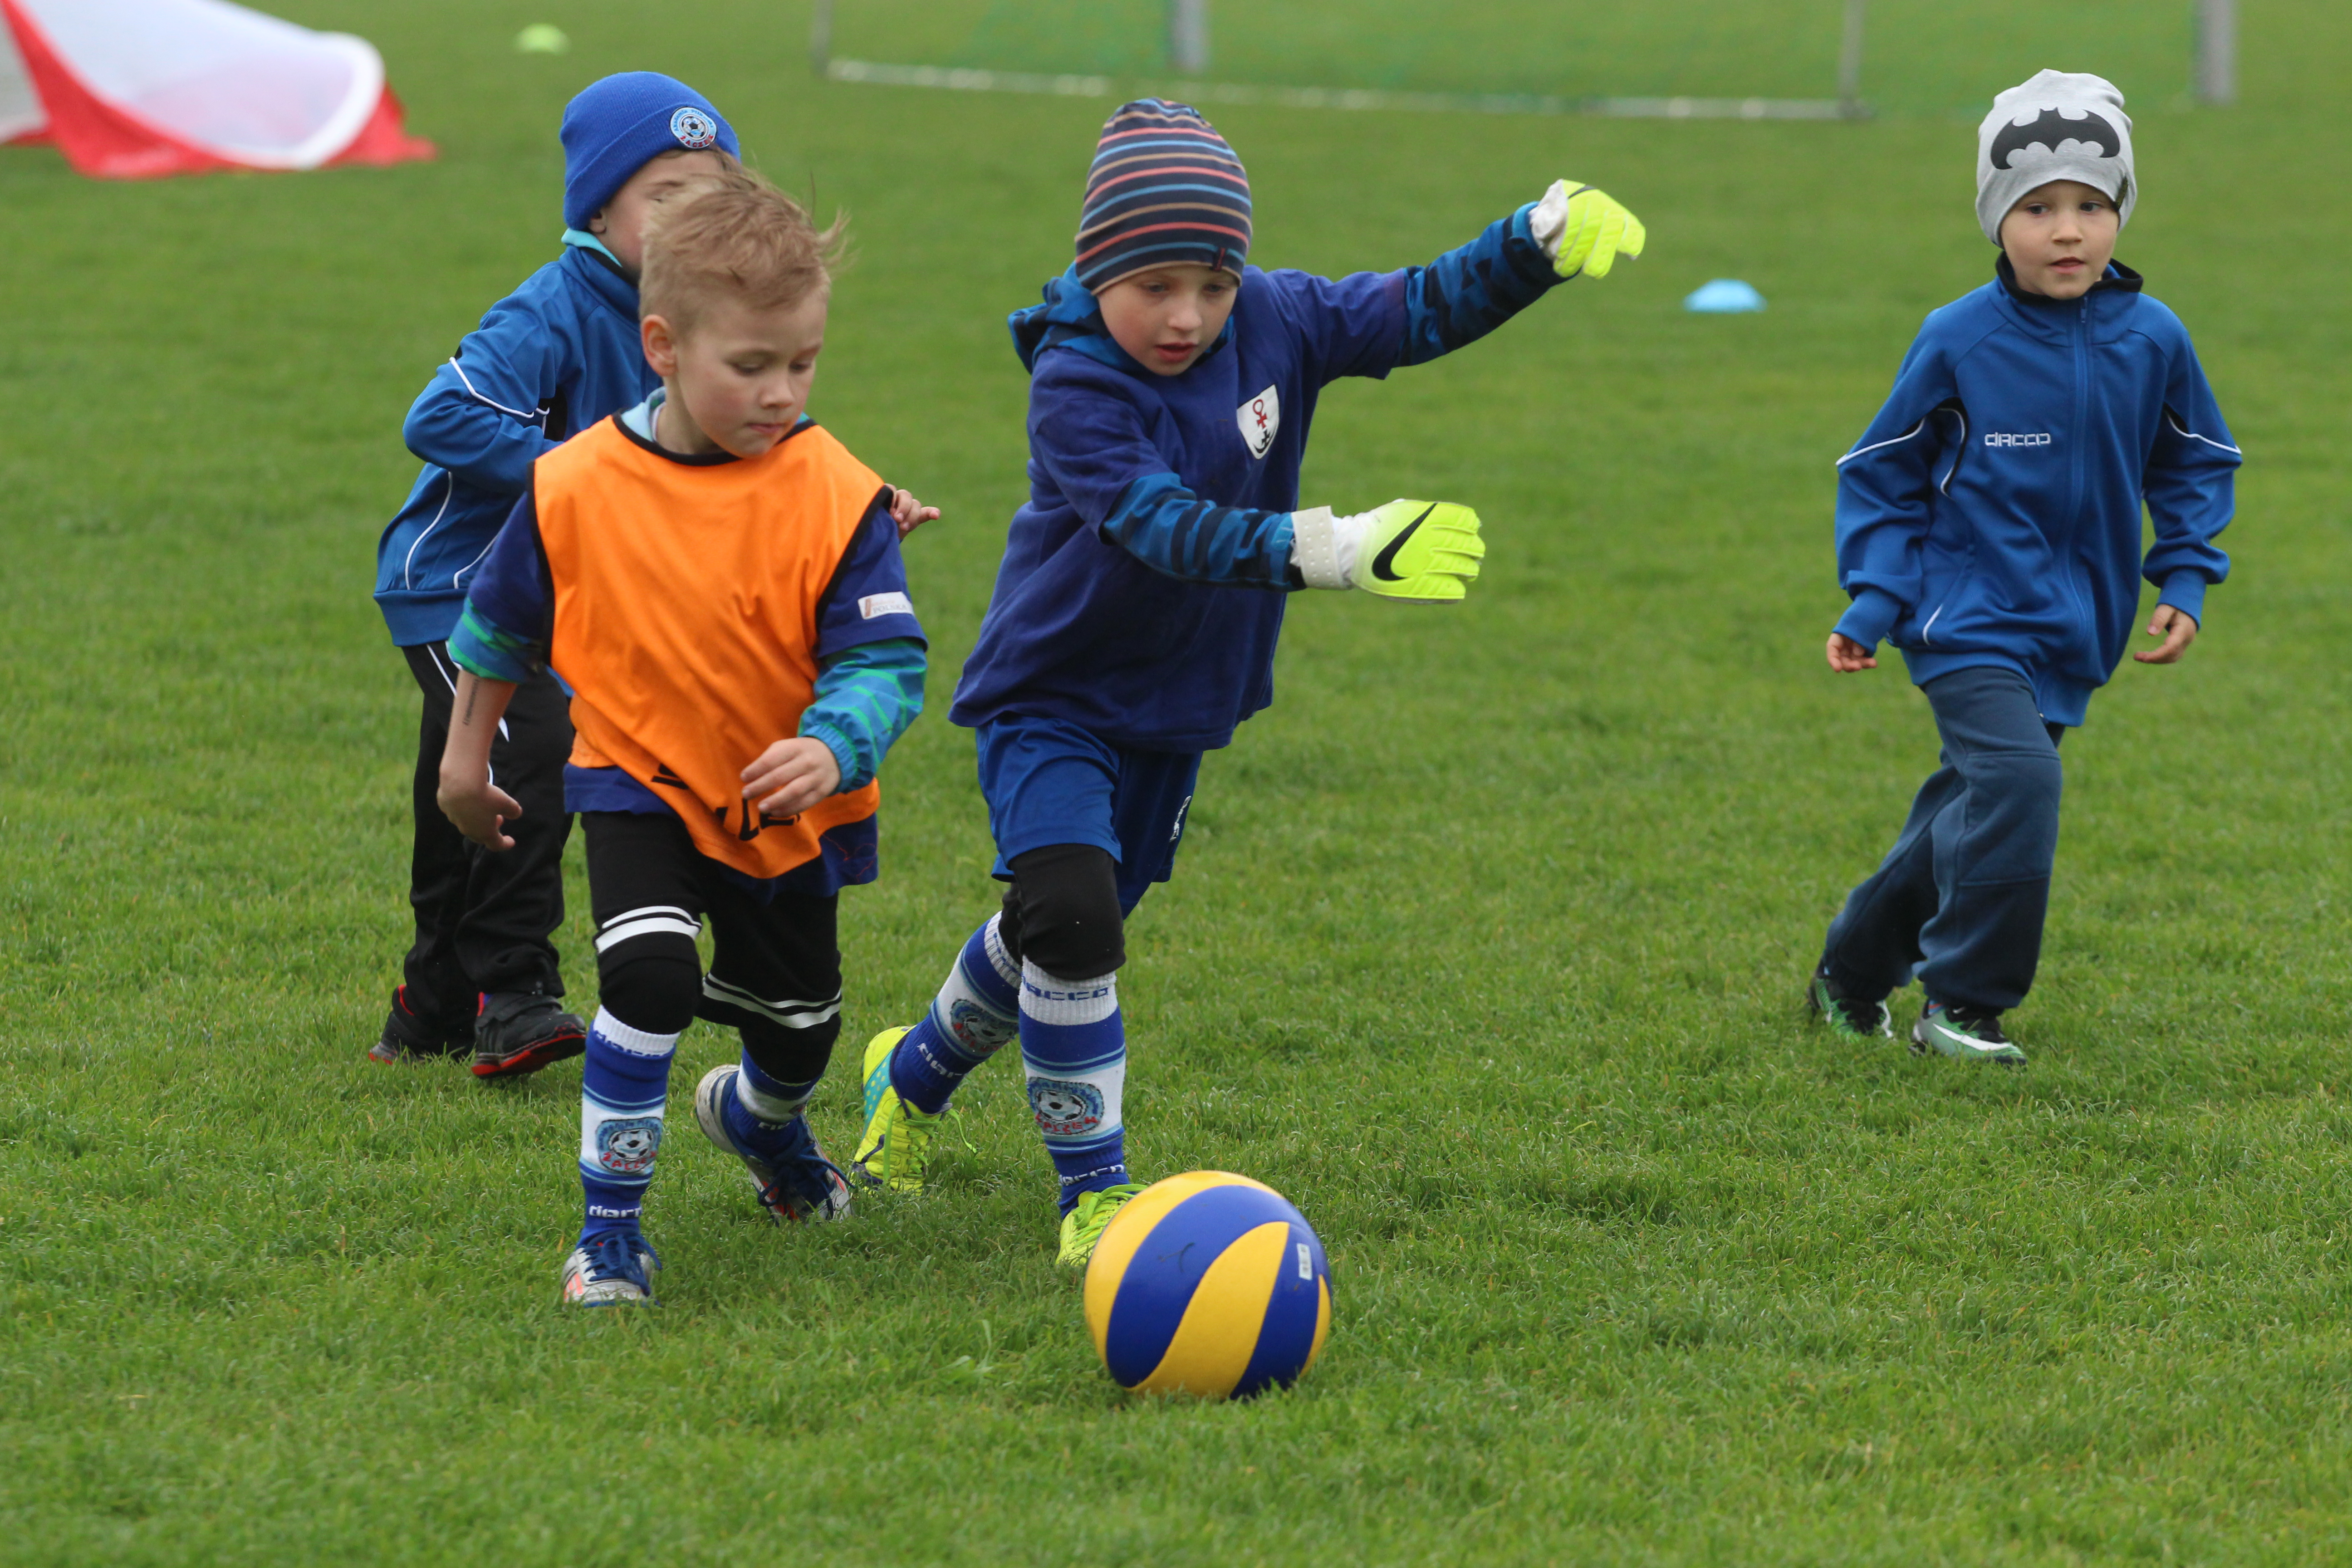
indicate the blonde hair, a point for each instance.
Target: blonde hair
{"x":734,"y":236}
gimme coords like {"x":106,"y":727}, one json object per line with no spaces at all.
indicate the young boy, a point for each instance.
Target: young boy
{"x":556,"y":355}
{"x":718,"y":583}
{"x":1988,"y":524}
{"x":1134,"y":619}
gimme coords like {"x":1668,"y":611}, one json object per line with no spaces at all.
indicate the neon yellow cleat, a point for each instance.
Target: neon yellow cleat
{"x":896,"y":1144}
{"x":1084,"y":1226}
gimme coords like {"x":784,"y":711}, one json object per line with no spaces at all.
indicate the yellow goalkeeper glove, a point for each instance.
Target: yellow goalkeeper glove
{"x":1419,"y":553}
{"x":1585,"y":230}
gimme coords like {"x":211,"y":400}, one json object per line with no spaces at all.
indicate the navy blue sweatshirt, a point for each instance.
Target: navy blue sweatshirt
{"x":1991,"y":515}
{"x":1142,"y":587}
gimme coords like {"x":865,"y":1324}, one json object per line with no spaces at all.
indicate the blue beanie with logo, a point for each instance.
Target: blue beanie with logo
{"x":618,"y":125}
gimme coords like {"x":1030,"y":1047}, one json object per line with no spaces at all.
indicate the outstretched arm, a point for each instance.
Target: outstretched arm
{"x":1469,"y":291}
{"x":1094,"y":448}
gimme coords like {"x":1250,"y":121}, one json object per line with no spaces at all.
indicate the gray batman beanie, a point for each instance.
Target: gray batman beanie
{"x":2061,"y":125}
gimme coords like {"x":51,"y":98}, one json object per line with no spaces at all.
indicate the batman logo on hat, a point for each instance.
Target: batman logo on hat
{"x":2050,"y":127}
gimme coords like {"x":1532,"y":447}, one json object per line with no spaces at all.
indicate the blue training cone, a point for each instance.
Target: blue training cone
{"x":1724,"y":295}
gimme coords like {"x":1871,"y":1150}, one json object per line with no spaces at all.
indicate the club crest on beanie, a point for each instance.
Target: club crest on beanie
{"x":618,"y":125}
{"x":1165,"y":188}
{"x":2061,"y":125}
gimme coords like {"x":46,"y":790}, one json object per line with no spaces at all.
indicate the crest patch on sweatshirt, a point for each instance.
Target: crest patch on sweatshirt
{"x":1259,"y":419}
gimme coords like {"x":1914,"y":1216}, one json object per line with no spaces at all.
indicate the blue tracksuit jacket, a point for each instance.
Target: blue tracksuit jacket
{"x":1991,"y":515}
{"x":554,"y":356}
{"x":1133,"y":598}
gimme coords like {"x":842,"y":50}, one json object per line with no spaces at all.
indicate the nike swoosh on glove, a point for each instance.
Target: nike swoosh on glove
{"x":1584,"y":230}
{"x":1416,"y":552}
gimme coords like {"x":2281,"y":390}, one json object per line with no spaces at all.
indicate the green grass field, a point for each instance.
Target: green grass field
{"x":1485,"y":948}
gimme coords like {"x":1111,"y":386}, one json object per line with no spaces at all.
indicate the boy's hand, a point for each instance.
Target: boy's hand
{"x":908,"y":513}
{"x":2178,"y":630}
{"x":1847,"y":656}
{"x":1421,"y":553}
{"x":480,"y":809}
{"x":790,"y":776}
{"x":1585,"y":230}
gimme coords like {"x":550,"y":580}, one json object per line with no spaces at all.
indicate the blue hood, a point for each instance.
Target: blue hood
{"x":1070,"y":318}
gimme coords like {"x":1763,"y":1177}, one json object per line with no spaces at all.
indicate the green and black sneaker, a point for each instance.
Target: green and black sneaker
{"x":1848,"y":1016}
{"x":1966,"y":1033}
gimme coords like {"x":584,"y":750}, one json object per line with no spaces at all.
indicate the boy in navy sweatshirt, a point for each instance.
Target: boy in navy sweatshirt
{"x":557,"y":355}
{"x":1988,"y":525}
{"x":1134,"y":619}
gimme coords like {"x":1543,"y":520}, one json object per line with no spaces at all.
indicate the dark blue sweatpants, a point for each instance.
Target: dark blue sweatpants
{"x":1960,"y":899}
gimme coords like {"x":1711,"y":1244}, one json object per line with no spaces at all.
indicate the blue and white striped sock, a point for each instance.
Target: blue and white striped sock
{"x":623,"y":1085}
{"x":1074,"y":1047}
{"x":976,"y":1012}
{"x":762,"y":1103}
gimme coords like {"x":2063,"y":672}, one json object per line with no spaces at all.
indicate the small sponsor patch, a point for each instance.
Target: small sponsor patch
{"x":626,"y":1146}
{"x":1259,"y":420}
{"x":2009,"y":438}
{"x":1064,"y":1109}
{"x":875,"y":604}
{"x":694,"y":130}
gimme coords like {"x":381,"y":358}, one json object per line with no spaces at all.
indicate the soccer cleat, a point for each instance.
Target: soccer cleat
{"x":410,"y":1038}
{"x":520,"y":1032}
{"x":610,"y":1271}
{"x":896,"y":1144}
{"x":1849,"y":1017}
{"x":1084,"y":1226}
{"x":795,"y":1180}
{"x":1969,"y":1034}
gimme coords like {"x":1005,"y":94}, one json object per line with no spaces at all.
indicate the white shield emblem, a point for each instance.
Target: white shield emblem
{"x":1259,"y":418}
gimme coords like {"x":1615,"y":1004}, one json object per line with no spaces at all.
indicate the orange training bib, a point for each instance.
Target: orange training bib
{"x":685,"y":603}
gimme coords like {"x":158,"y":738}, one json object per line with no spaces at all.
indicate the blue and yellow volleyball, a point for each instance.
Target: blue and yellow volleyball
{"x":1209,"y":1284}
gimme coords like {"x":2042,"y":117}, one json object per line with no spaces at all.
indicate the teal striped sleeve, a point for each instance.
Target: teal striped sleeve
{"x":482,"y":648}
{"x":864,"y":701}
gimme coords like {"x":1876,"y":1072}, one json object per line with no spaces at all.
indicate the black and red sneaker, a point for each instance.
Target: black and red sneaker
{"x":408,"y":1038}
{"x":520,"y":1032}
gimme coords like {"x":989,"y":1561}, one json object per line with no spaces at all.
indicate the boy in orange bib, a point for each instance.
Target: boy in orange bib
{"x":705,"y":573}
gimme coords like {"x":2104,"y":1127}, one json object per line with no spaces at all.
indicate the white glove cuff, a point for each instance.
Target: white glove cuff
{"x":1322,"y":549}
{"x":1549,"y":220}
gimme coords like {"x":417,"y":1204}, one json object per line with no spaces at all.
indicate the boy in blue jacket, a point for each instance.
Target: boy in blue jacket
{"x":1988,"y":525}
{"x":557,"y":355}
{"x":1134,"y":619}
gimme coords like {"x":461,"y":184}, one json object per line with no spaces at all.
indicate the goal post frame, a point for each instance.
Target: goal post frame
{"x":2214,"y":77}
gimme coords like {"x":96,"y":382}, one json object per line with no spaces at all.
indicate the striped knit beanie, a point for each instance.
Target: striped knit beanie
{"x":1165,"y":188}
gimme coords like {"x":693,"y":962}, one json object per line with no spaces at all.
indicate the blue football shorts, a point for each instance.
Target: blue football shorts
{"x":1048,"y":782}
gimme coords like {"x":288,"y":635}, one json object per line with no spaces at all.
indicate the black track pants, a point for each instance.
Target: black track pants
{"x":1961,"y":897}
{"x":485,"y":921}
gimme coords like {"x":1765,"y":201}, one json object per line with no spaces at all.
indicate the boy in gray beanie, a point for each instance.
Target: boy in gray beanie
{"x":1988,"y":524}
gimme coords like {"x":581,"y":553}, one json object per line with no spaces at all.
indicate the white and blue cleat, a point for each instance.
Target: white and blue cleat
{"x":610,"y":1271}
{"x":795,"y":1181}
